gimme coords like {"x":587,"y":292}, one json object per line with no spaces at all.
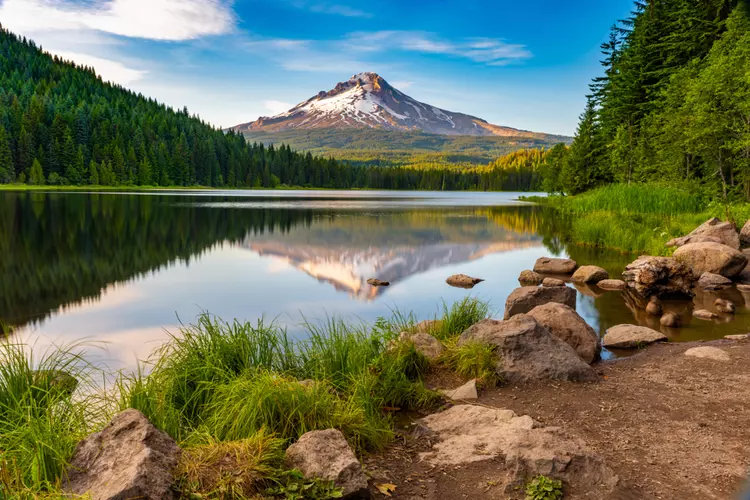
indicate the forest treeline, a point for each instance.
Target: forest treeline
{"x":672,"y":104}
{"x":61,"y":124}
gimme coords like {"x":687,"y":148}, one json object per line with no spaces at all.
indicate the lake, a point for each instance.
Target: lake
{"x":125,"y":268}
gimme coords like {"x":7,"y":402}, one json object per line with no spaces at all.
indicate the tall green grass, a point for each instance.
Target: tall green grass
{"x":639,"y":198}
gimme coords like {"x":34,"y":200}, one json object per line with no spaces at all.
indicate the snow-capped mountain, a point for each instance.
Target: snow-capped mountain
{"x":367,"y":100}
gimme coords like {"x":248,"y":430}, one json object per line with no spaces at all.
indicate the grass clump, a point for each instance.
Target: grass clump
{"x":473,"y":360}
{"x":460,"y":316}
{"x":544,"y":488}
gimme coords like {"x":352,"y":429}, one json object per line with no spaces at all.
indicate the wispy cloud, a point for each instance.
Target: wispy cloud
{"x":322,"y":7}
{"x":277,"y":107}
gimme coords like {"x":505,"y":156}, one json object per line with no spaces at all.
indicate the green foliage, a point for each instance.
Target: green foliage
{"x":473,"y":360}
{"x":459,"y":316}
{"x":544,"y":488}
{"x":293,"y":485}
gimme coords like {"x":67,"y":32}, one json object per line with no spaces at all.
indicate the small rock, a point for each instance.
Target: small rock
{"x":529,"y":277}
{"x":711,"y":281}
{"x":631,"y":337}
{"x":590,"y":274}
{"x":711,"y":258}
{"x":130,"y":458}
{"x":524,"y":299}
{"x":428,"y":345}
{"x":428,"y":326}
{"x":654,"y":307}
{"x":724,"y":306}
{"x":737,"y":337}
{"x":327,"y":455}
{"x":611,"y":285}
{"x":708,"y":352}
{"x":743,"y":287}
{"x":552,"y":282}
{"x":670,"y":320}
{"x":704,"y":314}
{"x":548,"y":265}
{"x":376,"y":282}
{"x":463,"y":281}
{"x":466,"y":391}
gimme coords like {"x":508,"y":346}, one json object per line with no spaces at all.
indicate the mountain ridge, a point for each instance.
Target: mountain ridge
{"x":367,"y":100}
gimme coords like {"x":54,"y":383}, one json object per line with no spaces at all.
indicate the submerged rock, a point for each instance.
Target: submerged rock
{"x":465,"y":392}
{"x":611,"y":285}
{"x":326,"y":455}
{"x":377,"y":282}
{"x":708,"y":352}
{"x":130,"y":458}
{"x":704,"y":314}
{"x":528,"y":277}
{"x":711,"y":258}
{"x":724,"y":306}
{"x":711,"y":281}
{"x":654,"y":307}
{"x":549,"y":265}
{"x":670,"y":320}
{"x":659,"y":276}
{"x":463,"y":281}
{"x":524,"y":299}
{"x":711,"y":231}
{"x":526,"y":351}
{"x":565,"y":324}
{"x":590,"y":274}
{"x":631,"y":337}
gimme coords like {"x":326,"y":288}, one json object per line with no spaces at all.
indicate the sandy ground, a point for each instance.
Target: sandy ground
{"x":670,"y":426}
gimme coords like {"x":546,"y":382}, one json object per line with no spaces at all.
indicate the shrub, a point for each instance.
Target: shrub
{"x":544,"y":488}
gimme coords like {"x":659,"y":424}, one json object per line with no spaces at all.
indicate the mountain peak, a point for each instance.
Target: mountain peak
{"x":366,"y":100}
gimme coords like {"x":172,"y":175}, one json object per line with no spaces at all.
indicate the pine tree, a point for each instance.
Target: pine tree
{"x":6,"y":158}
{"x":93,"y":173}
{"x":36,"y":175}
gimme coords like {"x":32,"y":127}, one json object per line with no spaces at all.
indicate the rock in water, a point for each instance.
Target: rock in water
{"x":565,"y":324}
{"x":611,"y":285}
{"x":711,"y":258}
{"x":670,"y":320}
{"x":526,"y":351}
{"x":708,"y":352}
{"x":376,"y":282}
{"x":590,"y":274}
{"x":711,"y":281}
{"x":550,"y":282}
{"x":524,"y":299}
{"x":130,"y":458}
{"x":548,"y":265}
{"x":724,"y":306}
{"x":468,"y":434}
{"x":528,"y":277}
{"x":327,"y":455}
{"x":659,"y":276}
{"x":654,"y":307}
{"x":463,"y":281}
{"x":465,"y":392}
{"x":631,"y":337}
{"x":711,"y":231}
{"x":704,"y":314}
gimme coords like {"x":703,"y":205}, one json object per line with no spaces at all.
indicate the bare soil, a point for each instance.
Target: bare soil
{"x":670,"y":426}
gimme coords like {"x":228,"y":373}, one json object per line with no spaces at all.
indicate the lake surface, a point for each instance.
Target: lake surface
{"x":125,"y":268}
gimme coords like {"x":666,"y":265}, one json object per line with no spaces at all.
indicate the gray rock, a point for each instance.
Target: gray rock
{"x":130,"y":458}
{"x":326,"y":455}
{"x":708,"y":352}
{"x":526,"y":351}
{"x":428,"y":326}
{"x":711,"y":231}
{"x":711,"y":258}
{"x":704,"y":314}
{"x":631,"y":337}
{"x":670,"y":320}
{"x":711,"y":281}
{"x":565,"y":324}
{"x":428,"y":345}
{"x":524,"y":299}
{"x":724,"y":306}
{"x":611,"y":285}
{"x":590,"y":274}
{"x":463,"y":281}
{"x":528,"y":277}
{"x":549,"y":265}
{"x":659,"y":276}
{"x":465,"y":392}
{"x":551,"y":282}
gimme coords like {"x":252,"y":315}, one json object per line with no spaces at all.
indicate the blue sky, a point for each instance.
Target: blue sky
{"x":521,"y":64}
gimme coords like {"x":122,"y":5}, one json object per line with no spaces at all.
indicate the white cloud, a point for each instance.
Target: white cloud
{"x":112,"y":71}
{"x":322,"y":7}
{"x":402,"y":85}
{"x":277,"y":107}
{"x":151,"y":19}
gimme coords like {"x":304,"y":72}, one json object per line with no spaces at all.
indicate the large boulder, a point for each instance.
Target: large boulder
{"x":711,"y":258}
{"x":130,"y":458}
{"x":745,"y":234}
{"x":467,"y":434}
{"x":711,"y":281}
{"x":326,"y":455}
{"x":589,"y":274}
{"x":565,"y":324}
{"x":524,"y":299}
{"x":526,"y":351}
{"x":660,"y":276}
{"x":711,"y":231}
{"x":631,"y":337}
{"x":549,"y":265}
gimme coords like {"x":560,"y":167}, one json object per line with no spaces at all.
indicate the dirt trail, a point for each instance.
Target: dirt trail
{"x":669,"y":425}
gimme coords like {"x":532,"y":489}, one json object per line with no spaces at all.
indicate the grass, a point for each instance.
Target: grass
{"x":232,"y":394}
{"x":472,"y":360}
{"x":639,"y":218}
